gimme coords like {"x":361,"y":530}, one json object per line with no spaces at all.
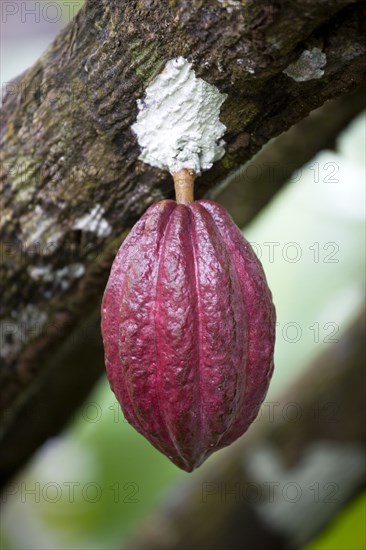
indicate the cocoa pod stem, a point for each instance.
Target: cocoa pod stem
{"x":184,"y":186}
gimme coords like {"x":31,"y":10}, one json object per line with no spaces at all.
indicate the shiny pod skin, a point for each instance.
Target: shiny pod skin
{"x":188,"y":328}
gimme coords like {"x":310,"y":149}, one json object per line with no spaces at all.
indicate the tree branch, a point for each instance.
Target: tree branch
{"x":71,"y":179}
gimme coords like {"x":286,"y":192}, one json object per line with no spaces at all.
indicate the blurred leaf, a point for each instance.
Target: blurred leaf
{"x":347,"y":531}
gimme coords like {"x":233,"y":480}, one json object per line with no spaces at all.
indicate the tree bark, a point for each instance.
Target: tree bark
{"x":72,"y":183}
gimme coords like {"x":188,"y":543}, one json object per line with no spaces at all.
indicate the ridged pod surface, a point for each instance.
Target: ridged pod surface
{"x":188,"y":327}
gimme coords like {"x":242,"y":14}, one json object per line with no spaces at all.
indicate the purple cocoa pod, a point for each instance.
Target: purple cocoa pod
{"x":188,"y":327}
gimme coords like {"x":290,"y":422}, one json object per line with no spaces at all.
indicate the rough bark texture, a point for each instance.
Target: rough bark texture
{"x":309,"y":439}
{"x":68,"y":150}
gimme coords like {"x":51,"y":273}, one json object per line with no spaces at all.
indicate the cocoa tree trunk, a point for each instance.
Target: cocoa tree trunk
{"x":71,"y":180}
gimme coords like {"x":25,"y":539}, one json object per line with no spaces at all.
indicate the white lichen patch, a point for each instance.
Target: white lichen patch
{"x":40,"y":228}
{"x":178,"y":124}
{"x":40,"y":273}
{"x":247,"y":64}
{"x":18,"y":330}
{"x":94,"y":222}
{"x":60,"y":278}
{"x":65,"y":276}
{"x":309,"y":66}
{"x":291,"y":498}
{"x":230,"y":4}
